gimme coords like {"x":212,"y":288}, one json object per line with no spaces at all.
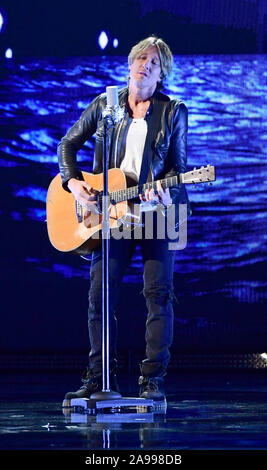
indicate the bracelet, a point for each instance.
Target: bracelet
{"x":163,"y":208}
{"x":168,"y":205}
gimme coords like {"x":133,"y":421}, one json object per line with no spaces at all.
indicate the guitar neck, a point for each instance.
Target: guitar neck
{"x":195,"y":176}
{"x":134,"y":191}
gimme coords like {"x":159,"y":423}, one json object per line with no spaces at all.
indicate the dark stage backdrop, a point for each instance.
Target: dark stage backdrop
{"x":220,"y":277}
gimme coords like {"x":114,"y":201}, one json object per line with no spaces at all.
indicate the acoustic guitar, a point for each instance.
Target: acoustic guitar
{"x":71,"y":228}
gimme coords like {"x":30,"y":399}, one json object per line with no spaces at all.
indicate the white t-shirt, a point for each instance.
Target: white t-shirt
{"x":135,"y":143}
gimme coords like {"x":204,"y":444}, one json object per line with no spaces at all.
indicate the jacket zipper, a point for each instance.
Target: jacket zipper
{"x":116,"y":142}
{"x":151,"y":172}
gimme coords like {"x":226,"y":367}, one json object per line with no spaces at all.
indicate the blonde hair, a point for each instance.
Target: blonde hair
{"x":165,"y":55}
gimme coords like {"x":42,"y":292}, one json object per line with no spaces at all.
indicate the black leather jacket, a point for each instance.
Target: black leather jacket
{"x":167,"y":123}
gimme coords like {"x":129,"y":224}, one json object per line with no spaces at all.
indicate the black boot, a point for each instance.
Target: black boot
{"x":152,"y":388}
{"x":91,"y":383}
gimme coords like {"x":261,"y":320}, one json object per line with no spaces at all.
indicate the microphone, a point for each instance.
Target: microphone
{"x":113,"y":113}
{"x":112,"y":96}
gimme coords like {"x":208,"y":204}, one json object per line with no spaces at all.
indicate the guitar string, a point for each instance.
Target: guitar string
{"x":133,"y":191}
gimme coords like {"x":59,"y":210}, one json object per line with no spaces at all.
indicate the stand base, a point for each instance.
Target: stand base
{"x":105,"y":395}
{"x":112,"y":405}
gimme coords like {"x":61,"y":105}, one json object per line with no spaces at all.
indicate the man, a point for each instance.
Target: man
{"x":148,"y":144}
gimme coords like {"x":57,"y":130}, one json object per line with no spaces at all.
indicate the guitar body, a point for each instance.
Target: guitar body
{"x":74,"y":229}
{"x":66,"y":230}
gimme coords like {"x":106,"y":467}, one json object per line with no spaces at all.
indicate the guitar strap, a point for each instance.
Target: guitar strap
{"x":153,"y":126}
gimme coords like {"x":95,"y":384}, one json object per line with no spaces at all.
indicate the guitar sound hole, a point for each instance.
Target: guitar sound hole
{"x":100,"y":202}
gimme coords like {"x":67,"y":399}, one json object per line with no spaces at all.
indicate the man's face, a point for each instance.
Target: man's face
{"x":145,"y":70}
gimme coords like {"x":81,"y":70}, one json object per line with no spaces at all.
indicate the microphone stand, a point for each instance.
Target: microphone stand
{"x":112,"y":114}
{"x":108,"y":399}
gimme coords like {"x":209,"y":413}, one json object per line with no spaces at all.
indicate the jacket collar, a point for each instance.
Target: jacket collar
{"x":157,"y":96}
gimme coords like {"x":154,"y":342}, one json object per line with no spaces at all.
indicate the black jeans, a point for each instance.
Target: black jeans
{"x":158,"y":263}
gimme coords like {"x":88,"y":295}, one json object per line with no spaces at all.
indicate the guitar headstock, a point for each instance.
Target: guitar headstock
{"x":198,"y":175}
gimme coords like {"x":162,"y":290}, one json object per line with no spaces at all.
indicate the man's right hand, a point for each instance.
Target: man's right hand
{"x":84,"y":194}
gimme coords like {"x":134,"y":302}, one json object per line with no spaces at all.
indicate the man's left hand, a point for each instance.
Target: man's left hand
{"x":160,"y":196}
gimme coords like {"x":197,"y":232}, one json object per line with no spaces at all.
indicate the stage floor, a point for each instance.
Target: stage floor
{"x":206,"y":410}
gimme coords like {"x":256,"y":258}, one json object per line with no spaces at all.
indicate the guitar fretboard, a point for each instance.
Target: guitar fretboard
{"x":134,"y":191}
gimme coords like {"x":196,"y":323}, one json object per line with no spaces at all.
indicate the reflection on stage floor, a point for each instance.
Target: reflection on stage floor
{"x":205,"y":410}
